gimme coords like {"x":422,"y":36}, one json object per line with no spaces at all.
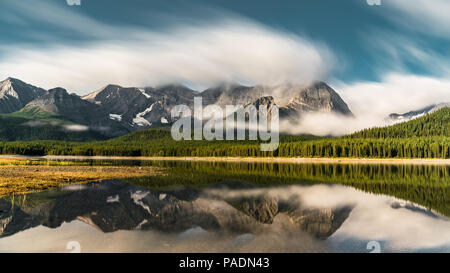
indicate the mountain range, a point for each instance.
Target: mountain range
{"x":115,"y":110}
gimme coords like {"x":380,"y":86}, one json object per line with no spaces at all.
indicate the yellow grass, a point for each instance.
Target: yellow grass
{"x":19,"y":179}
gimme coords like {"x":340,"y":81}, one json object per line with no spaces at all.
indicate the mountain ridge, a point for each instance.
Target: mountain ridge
{"x":71,"y":107}
{"x":15,"y":94}
{"x":417,"y":113}
{"x":153,"y":105}
{"x":114,"y":110}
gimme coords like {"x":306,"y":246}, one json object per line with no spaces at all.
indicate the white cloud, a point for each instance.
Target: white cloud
{"x":399,"y":90}
{"x":327,"y":124}
{"x":398,"y":52}
{"x":76,"y":128}
{"x":372,"y":102}
{"x":202,"y":53}
{"x":395,"y":93}
{"x":428,"y":16}
{"x":58,"y":15}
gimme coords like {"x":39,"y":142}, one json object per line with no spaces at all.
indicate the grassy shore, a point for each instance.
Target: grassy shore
{"x":24,"y":176}
{"x":20,"y":175}
{"x":293,"y":160}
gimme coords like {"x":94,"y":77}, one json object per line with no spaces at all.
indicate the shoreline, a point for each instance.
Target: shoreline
{"x":291,"y":160}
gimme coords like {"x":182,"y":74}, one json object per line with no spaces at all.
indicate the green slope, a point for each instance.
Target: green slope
{"x":39,"y":125}
{"x":36,"y":114}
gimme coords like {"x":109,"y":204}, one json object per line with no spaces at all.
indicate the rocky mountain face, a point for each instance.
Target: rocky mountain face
{"x":15,"y":94}
{"x":72,"y":108}
{"x":317,"y":98}
{"x":115,"y":205}
{"x":141,"y":107}
{"x":294,"y":98}
{"x":268,"y":101}
{"x":417,"y":113}
{"x":233,"y":94}
{"x":138,"y":108}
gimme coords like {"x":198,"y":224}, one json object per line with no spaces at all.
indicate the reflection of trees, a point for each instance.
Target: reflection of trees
{"x":427,"y":185}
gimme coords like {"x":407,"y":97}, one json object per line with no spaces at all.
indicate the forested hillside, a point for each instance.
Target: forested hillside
{"x":435,"y":124}
{"x":16,"y":127}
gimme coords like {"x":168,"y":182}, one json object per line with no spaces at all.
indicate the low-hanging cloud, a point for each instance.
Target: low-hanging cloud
{"x":395,"y":93}
{"x":372,"y":102}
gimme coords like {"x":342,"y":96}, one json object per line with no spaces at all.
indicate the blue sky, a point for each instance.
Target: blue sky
{"x":357,"y":42}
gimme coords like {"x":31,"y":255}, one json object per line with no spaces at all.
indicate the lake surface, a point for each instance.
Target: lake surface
{"x":238,"y":207}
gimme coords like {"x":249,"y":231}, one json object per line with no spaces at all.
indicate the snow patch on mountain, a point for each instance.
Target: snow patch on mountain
{"x":143,"y":93}
{"x":137,"y":198}
{"x":145,"y":221}
{"x":139,"y":120}
{"x":113,"y":199}
{"x":9,"y":90}
{"x":115,"y":117}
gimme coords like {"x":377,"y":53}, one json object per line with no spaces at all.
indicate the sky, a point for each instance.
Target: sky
{"x":368,"y":50}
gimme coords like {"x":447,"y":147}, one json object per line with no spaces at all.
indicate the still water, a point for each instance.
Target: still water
{"x":238,"y":207}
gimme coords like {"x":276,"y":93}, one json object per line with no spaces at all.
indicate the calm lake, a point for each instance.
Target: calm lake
{"x":238,"y":207}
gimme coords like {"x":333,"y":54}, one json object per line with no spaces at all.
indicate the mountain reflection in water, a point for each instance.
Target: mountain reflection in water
{"x":229,"y":216}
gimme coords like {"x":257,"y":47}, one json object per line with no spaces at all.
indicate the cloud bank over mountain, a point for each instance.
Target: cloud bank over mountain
{"x":229,"y":48}
{"x":372,"y":102}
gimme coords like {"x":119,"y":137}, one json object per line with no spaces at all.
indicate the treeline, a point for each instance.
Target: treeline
{"x":416,"y":147}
